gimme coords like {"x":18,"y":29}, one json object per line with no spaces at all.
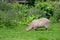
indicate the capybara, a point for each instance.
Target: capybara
{"x":41,"y":22}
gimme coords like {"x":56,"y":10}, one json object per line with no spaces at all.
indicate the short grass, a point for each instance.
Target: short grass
{"x":20,"y":33}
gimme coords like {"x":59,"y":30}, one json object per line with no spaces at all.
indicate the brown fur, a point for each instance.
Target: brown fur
{"x":38,"y":23}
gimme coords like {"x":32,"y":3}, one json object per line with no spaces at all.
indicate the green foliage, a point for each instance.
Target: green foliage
{"x":44,"y":5}
{"x":14,"y":14}
{"x":17,"y":14}
{"x":5,"y":6}
{"x":57,"y":15}
{"x":10,"y":14}
{"x":17,"y":6}
{"x":48,"y":7}
{"x":6,"y":18}
{"x":28,"y":15}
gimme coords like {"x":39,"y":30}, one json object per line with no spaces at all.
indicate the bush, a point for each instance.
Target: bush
{"x":16,"y":13}
{"x":5,"y":6}
{"x":57,"y":15}
{"x":56,"y":12}
{"x":19,"y":7}
{"x":10,"y":14}
{"x":6,"y":18}
{"x":12,"y":6}
{"x":48,"y":7}
{"x":30,"y":14}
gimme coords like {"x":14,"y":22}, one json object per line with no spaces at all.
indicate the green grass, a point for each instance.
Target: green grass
{"x":20,"y":33}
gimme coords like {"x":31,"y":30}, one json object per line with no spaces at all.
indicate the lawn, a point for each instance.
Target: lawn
{"x":19,"y":33}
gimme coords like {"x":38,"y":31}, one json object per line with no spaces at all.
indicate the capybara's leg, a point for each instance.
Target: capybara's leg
{"x":35,"y":28}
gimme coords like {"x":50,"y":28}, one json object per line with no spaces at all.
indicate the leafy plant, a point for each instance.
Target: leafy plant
{"x":57,"y":15}
{"x":6,"y":18}
{"x":5,"y":6}
{"x":48,"y":7}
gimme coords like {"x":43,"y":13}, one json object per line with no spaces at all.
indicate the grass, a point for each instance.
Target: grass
{"x":20,"y":33}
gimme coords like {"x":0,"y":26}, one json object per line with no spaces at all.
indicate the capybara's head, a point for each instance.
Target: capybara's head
{"x":28,"y":28}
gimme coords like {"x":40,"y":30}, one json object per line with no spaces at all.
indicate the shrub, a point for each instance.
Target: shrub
{"x":10,"y":14}
{"x":16,"y":13}
{"x":5,"y":6}
{"x":28,"y":15}
{"x":6,"y":18}
{"x":57,"y":15}
{"x":19,"y":7}
{"x":12,"y":6}
{"x":48,"y":7}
